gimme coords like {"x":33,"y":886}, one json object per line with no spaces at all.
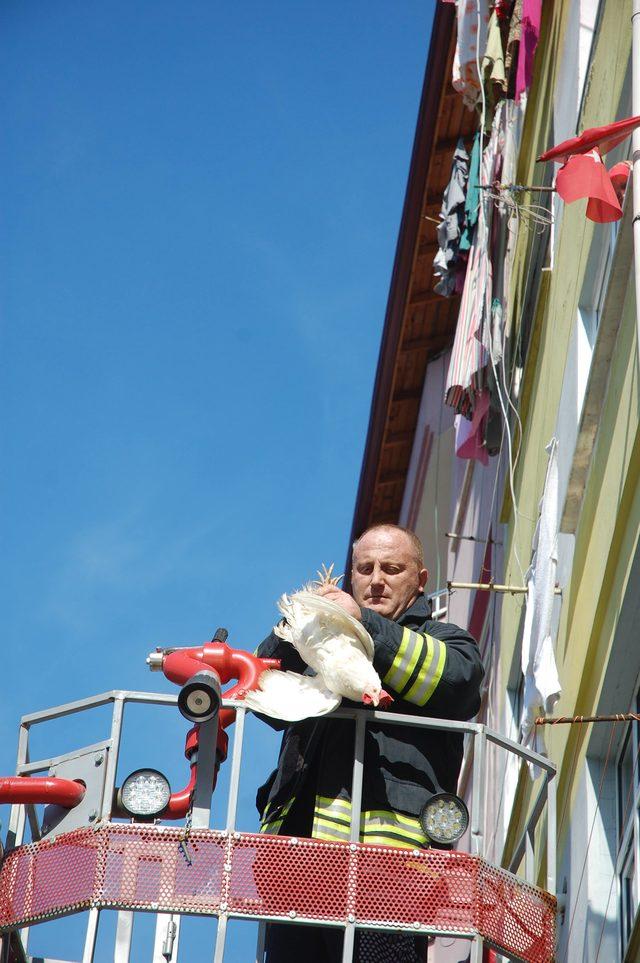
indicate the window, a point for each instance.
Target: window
{"x":628,"y":831}
{"x":597,"y":280}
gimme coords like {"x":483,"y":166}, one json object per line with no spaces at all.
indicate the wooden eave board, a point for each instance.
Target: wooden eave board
{"x":427,"y":321}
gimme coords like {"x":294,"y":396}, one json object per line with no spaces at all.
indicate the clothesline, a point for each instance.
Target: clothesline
{"x":517,"y":187}
{"x":578,"y":720}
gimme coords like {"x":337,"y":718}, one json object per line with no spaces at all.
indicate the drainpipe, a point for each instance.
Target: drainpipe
{"x":635,"y":66}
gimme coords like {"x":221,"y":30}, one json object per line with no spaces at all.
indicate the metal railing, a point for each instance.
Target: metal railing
{"x":168,"y":924}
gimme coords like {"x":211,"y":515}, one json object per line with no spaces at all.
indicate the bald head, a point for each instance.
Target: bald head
{"x":388,"y":570}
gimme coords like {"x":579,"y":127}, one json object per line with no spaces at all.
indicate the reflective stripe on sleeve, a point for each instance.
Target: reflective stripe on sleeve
{"x":403,"y":665}
{"x":429,"y":674}
{"x":417,"y":668}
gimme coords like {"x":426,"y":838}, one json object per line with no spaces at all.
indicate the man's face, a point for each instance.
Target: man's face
{"x":385,"y":575}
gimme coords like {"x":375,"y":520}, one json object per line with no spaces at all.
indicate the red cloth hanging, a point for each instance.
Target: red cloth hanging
{"x":604,"y":138}
{"x":584,"y":175}
{"x":619,"y":175}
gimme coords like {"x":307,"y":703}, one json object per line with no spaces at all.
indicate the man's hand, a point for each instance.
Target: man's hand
{"x":343,"y":599}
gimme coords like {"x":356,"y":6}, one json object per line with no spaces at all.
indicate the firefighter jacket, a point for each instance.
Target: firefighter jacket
{"x":431,"y":669}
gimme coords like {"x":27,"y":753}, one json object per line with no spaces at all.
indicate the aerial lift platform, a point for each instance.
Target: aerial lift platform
{"x":101,"y":849}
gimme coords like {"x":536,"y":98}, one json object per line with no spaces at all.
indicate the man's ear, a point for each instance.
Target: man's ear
{"x":422,"y":578}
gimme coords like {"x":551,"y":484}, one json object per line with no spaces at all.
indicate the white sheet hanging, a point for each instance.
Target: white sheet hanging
{"x":541,"y":683}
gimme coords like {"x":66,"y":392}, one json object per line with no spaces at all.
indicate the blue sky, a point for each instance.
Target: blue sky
{"x":200,"y":204}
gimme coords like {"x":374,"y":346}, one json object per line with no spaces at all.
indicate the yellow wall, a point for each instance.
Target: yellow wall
{"x":610,"y":520}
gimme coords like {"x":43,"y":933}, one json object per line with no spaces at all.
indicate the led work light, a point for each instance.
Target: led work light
{"x":145,"y":793}
{"x":445,"y":818}
{"x":199,"y":698}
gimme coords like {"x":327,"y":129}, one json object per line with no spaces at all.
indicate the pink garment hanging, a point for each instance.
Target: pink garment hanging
{"x":470,"y":434}
{"x":531,"y":17}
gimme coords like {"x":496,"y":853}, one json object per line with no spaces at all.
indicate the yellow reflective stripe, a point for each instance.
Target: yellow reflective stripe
{"x":328,"y":805}
{"x":326,"y":829}
{"x":404,"y":663}
{"x":332,"y":821}
{"x":330,"y":836}
{"x":372,"y":839}
{"x":430,"y":672}
{"x":392,"y":826}
{"x":273,"y":828}
{"x":385,"y":815}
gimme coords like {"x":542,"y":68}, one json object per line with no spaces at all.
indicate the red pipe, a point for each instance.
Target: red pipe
{"x":41,"y":789}
{"x":229,"y":664}
{"x":178,"y":804}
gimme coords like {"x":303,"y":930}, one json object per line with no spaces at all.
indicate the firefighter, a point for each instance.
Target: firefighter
{"x":431,"y":669}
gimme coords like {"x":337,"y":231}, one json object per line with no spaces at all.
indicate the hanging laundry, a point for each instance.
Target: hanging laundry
{"x":493,"y":60}
{"x":472,"y":200}
{"x":470,"y":435}
{"x":473,"y":340}
{"x":541,"y":683}
{"x":472,"y":17}
{"x":512,"y":48}
{"x":502,"y":9}
{"x":452,"y":215}
{"x":530,"y":33}
{"x":584,"y":175}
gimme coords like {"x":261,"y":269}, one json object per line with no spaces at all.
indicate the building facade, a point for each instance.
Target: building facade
{"x":504,"y":427}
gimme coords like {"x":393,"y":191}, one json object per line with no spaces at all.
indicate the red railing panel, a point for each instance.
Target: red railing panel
{"x":134,"y":866}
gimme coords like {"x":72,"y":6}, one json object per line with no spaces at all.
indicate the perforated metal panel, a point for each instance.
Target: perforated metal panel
{"x":246,"y":875}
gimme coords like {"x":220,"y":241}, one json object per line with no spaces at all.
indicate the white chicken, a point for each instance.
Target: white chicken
{"x":331,"y":642}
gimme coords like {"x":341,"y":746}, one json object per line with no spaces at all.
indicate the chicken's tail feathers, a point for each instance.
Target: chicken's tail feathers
{"x":290,"y":696}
